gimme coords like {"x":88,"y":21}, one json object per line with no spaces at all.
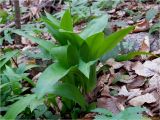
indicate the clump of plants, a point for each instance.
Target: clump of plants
{"x":72,"y":75}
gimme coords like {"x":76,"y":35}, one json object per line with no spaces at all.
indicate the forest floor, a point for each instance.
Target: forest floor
{"x":135,"y":82}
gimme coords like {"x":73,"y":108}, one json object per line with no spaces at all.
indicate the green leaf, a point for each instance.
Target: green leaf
{"x":131,"y":55}
{"x":155,"y":27}
{"x":60,"y":53}
{"x":95,"y":26}
{"x":72,"y":37}
{"x":70,"y":92}
{"x":35,"y":103}
{"x":151,"y":14}
{"x":53,"y":19}
{"x":49,"y":77}
{"x":135,"y":113}
{"x":18,"y":107}
{"x":72,"y":55}
{"x":103,"y":111}
{"x":112,"y":40}
{"x":85,"y":49}
{"x":66,"y":55}
{"x":88,"y":69}
{"x":95,"y":43}
{"x":43,"y":43}
{"x":6,"y":57}
{"x":7,"y":36}
{"x":54,"y":30}
{"x":66,"y":21}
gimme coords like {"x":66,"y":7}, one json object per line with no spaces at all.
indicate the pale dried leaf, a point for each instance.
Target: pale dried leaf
{"x":130,"y":94}
{"x":142,"y":71}
{"x":140,"y":100}
{"x":154,"y":81}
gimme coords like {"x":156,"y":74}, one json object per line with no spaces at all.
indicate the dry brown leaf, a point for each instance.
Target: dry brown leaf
{"x":109,"y":103}
{"x":142,"y":26}
{"x":142,"y":71}
{"x":137,"y":82}
{"x":116,"y":65}
{"x":140,"y":100}
{"x":145,"y":45}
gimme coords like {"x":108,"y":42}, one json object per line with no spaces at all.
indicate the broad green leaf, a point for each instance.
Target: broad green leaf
{"x":135,"y":113}
{"x":54,"y":30}
{"x":66,"y":55}
{"x":72,"y":37}
{"x":112,"y":40}
{"x":18,"y":107}
{"x":70,"y":92}
{"x":6,"y":57}
{"x":49,"y":77}
{"x":72,"y":55}
{"x":35,"y":103}
{"x":99,"y":45}
{"x":43,"y":43}
{"x":60,"y":53}
{"x":95,"y":26}
{"x":131,"y":55}
{"x":103,"y":111}
{"x":66,"y":21}
{"x":95,"y":43}
{"x":53,"y":19}
{"x":102,"y":117}
{"x":85,"y":49}
{"x":88,"y":69}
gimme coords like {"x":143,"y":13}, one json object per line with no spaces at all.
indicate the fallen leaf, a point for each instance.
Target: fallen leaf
{"x":154,"y":82}
{"x":137,"y":82}
{"x":145,"y":45}
{"x":142,"y":26}
{"x":109,"y":103}
{"x":116,"y":65}
{"x":130,"y":94}
{"x":141,"y":70}
{"x":140,"y":100}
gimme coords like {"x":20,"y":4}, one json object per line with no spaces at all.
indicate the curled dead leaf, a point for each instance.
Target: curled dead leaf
{"x":142,"y":26}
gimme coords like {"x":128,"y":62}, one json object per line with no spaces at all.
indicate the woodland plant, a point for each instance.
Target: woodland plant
{"x":72,"y":75}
